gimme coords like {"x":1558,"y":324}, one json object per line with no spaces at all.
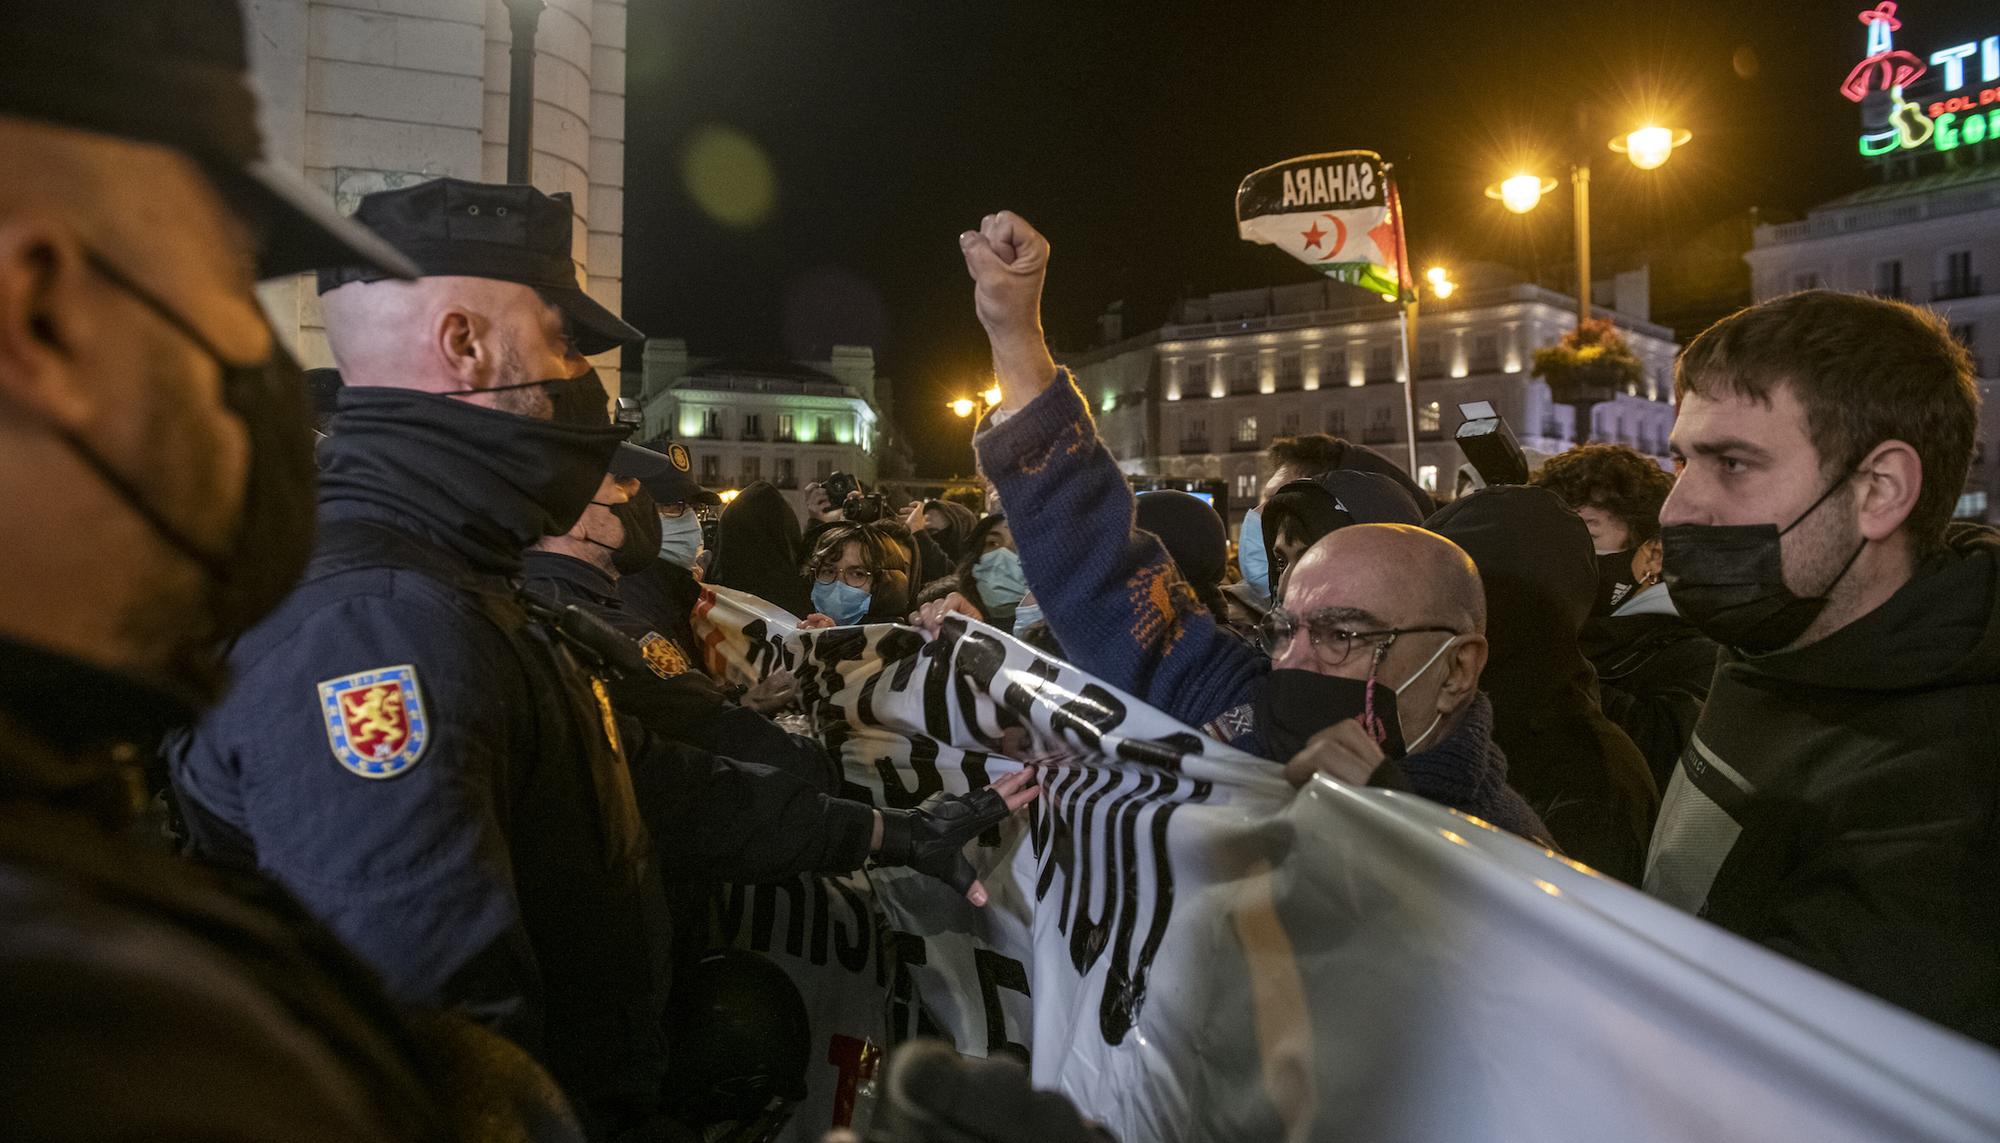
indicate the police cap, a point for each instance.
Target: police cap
{"x":457,"y":228}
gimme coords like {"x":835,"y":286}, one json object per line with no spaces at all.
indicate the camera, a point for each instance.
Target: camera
{"x":838,"y":485}
{"x":865,"y":509}
{"x":1489,"y":444}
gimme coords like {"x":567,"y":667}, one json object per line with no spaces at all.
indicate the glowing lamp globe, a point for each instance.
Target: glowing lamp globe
{"x":963,"y":406}
{"x":1649,"y":147}
{"x":1521,"y":193}
{"x":991,"y":396}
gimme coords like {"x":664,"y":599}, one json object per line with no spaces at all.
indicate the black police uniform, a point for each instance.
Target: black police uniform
{"x":664,"y":597}
{"x":671,"y":698}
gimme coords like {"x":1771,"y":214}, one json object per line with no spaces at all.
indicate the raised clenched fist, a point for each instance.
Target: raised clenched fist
{"x":1007,"y":259}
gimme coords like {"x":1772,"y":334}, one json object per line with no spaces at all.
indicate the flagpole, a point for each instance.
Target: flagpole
{"x":1406,"y":318}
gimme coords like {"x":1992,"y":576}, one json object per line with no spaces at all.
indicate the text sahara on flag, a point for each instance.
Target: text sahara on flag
{"x":1337,"y":212}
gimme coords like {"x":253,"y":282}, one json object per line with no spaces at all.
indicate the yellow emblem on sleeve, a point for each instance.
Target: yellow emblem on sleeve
{"x":662,"y":656}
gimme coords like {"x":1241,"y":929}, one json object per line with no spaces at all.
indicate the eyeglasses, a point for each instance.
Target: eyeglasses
{"x":675,"y":510}
{"x":862,"y":578}
{"x":1332,"y":642}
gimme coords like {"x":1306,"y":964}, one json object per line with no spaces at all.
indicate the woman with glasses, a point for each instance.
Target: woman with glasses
{"x":862,"y":573}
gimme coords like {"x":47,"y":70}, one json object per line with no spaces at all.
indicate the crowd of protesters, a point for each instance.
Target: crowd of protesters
{"x":451,"y":781}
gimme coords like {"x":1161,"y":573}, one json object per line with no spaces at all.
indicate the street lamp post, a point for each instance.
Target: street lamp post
{"x":1648,"y":147}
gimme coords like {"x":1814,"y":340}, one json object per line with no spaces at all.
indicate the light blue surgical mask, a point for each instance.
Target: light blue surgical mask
{"x":1026,"y":616}
{"x":680,"y":539}
{"x":843,"y":603}
{"x":998,"y":576}
{"x":1250,"y":552}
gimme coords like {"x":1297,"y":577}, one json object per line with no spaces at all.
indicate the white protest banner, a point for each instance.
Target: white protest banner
{"x":1190,"y":951}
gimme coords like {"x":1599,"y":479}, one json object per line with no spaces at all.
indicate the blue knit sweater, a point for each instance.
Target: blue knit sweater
{"x":1114,"y":600}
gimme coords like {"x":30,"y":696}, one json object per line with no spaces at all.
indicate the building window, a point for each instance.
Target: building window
{"x":1243,"y":375}
{"x":1382,"y":363}
{"x":1196,"y":384}
{"x":1971,"y":505}
{"x":1485,"y":353}
{"x":1430,"y":361}
{"x":822,"y":470}
{"x":1336,"y":422}
{"x":786,"y":431}
{"x":1889,"y":278}
{"x":1291,"y":373}
{"x":753,"y":469}
{"x":1333,"y":367}
{"x":1967,"y":335}
{"x":1381,"y":430}
{"x":711,"y":423}
{"x":711,"y":469}
{"x":753,"y":427}
{"x":824,"y":435}
{"x":1246,"y":430}
{"x":1246,"y":487}
{"x":1428,"y":415}
{"x":1290,"y":425}
{"x":1956,"y":279}
{"x":788,"y":476}
{"x":1808,"y":280}
{"x":1427,"y":477}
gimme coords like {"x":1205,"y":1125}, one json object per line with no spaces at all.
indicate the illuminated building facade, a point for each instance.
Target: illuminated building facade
{"x":790,"y":423}
{"x":1203,"y":397}
{"x":360,"y":97}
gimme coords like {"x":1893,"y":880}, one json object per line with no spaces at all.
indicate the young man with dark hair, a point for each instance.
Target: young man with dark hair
{"x":1837,"y":800}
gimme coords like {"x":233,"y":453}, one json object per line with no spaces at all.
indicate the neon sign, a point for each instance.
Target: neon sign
{"x":1895,"y":123}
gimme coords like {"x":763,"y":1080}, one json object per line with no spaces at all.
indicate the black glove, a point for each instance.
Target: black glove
{"x":931,"y":838}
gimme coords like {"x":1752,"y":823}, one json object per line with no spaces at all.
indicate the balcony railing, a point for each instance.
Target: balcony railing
{"x":710,"y":433}
{"x":753,"y":434}
{"x":1376,"y":434}
{"x":1965,"y":286}
{"x":1194,"y":446}
{"x":1244,"y":446}
{"x":787,"y":480}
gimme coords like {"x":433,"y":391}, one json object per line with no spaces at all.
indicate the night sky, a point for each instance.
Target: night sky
{"x":798,"y":170}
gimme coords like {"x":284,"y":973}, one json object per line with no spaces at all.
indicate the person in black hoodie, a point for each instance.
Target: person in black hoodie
{"x":1840,"y":800}
{"x":1579,"y":771}
{"x":758,"y":549}
{"x":1299,"y":513}
{"x":1653,"y":666}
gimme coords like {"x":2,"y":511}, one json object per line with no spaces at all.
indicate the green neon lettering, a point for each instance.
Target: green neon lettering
{"x":1947,"y":131}
{"x":1974,"y":130}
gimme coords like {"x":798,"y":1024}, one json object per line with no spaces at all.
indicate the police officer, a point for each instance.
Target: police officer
{"x":663,"y":592}
{"x":155,"y":491}
{"x":427,"y":757}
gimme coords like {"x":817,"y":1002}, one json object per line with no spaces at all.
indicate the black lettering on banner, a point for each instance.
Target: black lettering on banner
{"x":922,"y":765}
{"x":1091,"y":713}
{"x":995,"y":973}
{"x":849,"y":935}
{"x":1108,"y":827}
{"x":766,"y":652}
{"x":908,"y":1018}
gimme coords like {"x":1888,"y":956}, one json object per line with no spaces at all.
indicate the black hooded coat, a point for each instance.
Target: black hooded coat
{"x":759,"y":549}
{"x":1332,"y":500}
{"x":1579,"y":771}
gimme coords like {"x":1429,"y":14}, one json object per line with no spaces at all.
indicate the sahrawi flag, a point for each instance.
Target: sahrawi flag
{"x":1337,"y":212}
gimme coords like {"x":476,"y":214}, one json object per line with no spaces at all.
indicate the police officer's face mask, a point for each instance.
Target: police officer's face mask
{"x":274,"y":529}
{"x":577,"y":401}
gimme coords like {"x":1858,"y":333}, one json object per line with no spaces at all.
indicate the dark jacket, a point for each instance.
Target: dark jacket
{"x":759,"y":549}
{"x":142,"y":997}
{"x":428,"y":768}
{"x":675,"y":699}
{"x":1840,"y":803}
{"x":1582,"y":774}
{"x":959,"y":522}
{"x":1353,"y":457}
{"x":1117,"y":602}
{"x":1653,"y":671}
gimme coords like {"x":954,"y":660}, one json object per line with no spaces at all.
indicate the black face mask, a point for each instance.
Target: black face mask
{"x":554,"y":467}
{"x":273,"y":538}
{"x":1293,"y":705}
{"x":1729,"y":581}
{"x":577,"y":400}
{"x":1615,"y":581}
{"x":641,"y":517}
